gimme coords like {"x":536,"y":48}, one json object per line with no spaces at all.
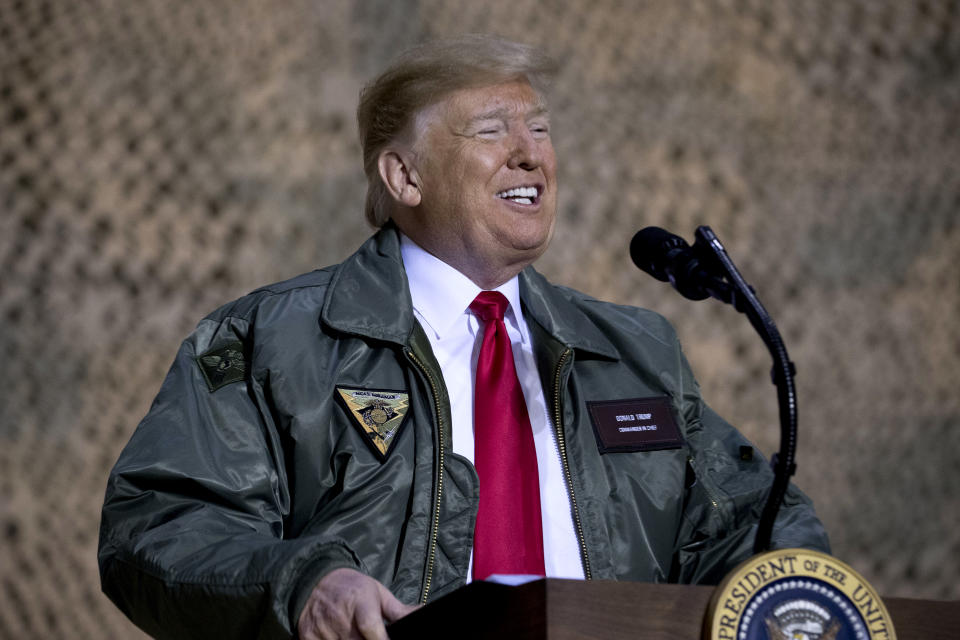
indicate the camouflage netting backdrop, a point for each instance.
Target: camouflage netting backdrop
{"x":158,"y":159}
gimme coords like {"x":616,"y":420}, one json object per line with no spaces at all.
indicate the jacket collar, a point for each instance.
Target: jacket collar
{"x":561,"y":318}
{"x":369,"y":296}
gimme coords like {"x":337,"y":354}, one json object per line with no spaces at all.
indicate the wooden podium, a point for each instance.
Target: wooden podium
{"x":605,"y":610}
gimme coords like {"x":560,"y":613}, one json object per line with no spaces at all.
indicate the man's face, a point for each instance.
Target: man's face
{"x":488,"y":183}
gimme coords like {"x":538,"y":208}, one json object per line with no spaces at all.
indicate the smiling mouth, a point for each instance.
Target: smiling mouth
{"x":521,"y":195}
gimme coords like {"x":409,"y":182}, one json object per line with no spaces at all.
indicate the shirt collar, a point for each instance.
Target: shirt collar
{"x":441,"y":295}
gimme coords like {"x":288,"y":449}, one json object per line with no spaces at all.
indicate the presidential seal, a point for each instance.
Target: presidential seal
{"x":796,"y":594}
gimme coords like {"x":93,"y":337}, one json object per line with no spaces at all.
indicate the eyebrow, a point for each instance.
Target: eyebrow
{"x":502,"y":113}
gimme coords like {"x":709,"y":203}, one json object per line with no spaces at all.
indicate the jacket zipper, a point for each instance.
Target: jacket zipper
{"x":435,"y":525}
{"x":562,"y":446}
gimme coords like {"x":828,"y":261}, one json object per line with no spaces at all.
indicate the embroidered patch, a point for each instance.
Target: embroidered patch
{"x":639,"y":424}
{"x":378,"y":414}
{"x":223,"y":365}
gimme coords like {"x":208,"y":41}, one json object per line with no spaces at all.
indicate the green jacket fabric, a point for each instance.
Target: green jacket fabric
{"x":248,"y":481}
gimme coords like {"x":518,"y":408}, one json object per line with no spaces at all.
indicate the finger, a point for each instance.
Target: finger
{"x":369,"y":621}
{"x":305,"y":632}
{"x":392,"y":609}
{"x":322,"y":631}
{"x":306,"y":626}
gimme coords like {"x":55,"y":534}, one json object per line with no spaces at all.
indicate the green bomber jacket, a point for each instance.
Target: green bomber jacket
{"x":248,"y":480}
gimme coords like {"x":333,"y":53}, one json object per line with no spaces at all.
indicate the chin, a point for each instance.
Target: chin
{"x":532,"y":250}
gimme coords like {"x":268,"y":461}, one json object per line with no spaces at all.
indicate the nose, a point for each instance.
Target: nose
{"x":526,"y":151}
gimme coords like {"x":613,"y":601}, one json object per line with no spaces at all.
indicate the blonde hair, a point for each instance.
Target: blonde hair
{"x":423,"y":76}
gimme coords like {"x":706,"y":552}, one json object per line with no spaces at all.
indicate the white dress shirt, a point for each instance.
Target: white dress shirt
{"x":441,"y":299}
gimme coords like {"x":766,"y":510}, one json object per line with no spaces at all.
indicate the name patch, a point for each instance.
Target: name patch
{"x":638,"y":424}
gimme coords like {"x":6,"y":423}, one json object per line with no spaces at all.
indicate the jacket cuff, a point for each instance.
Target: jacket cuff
{"x":323,"y":560}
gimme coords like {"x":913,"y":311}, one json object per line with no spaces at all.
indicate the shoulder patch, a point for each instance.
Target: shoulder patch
{"x":378,"y":414}
{"x":223,"y":365}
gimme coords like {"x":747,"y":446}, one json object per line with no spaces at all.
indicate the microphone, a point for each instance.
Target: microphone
{"x":705,"y":270}
{"x":669,"y":258}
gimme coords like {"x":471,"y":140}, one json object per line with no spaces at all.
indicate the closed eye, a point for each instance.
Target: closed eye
{"x":540,"y":131}
{"x":490,"y":132}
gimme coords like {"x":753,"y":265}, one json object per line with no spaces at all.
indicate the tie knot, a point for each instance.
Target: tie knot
{"x":489,"y":305}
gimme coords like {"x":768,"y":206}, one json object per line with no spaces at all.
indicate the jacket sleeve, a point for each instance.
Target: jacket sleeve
{"x":728,"y":485}
{"x":192,"y":537}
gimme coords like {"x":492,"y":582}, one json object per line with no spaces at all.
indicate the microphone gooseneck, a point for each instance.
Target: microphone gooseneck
{"x":705,"y":270}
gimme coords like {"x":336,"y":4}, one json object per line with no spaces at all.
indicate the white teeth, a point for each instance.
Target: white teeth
{"x":523,"y":195}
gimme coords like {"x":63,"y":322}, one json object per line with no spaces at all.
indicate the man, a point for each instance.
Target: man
{"x":318,"y":459}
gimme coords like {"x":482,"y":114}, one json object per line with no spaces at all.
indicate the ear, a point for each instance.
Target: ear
{"x":400,"y":177}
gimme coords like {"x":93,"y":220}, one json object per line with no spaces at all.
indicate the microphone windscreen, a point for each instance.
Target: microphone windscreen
{"x":651,"y":249}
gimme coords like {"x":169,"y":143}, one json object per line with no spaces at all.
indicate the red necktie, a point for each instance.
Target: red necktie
{"x":509,"y":532}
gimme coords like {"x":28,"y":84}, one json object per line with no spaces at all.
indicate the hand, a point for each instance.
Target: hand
{"x":348,"y":604}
